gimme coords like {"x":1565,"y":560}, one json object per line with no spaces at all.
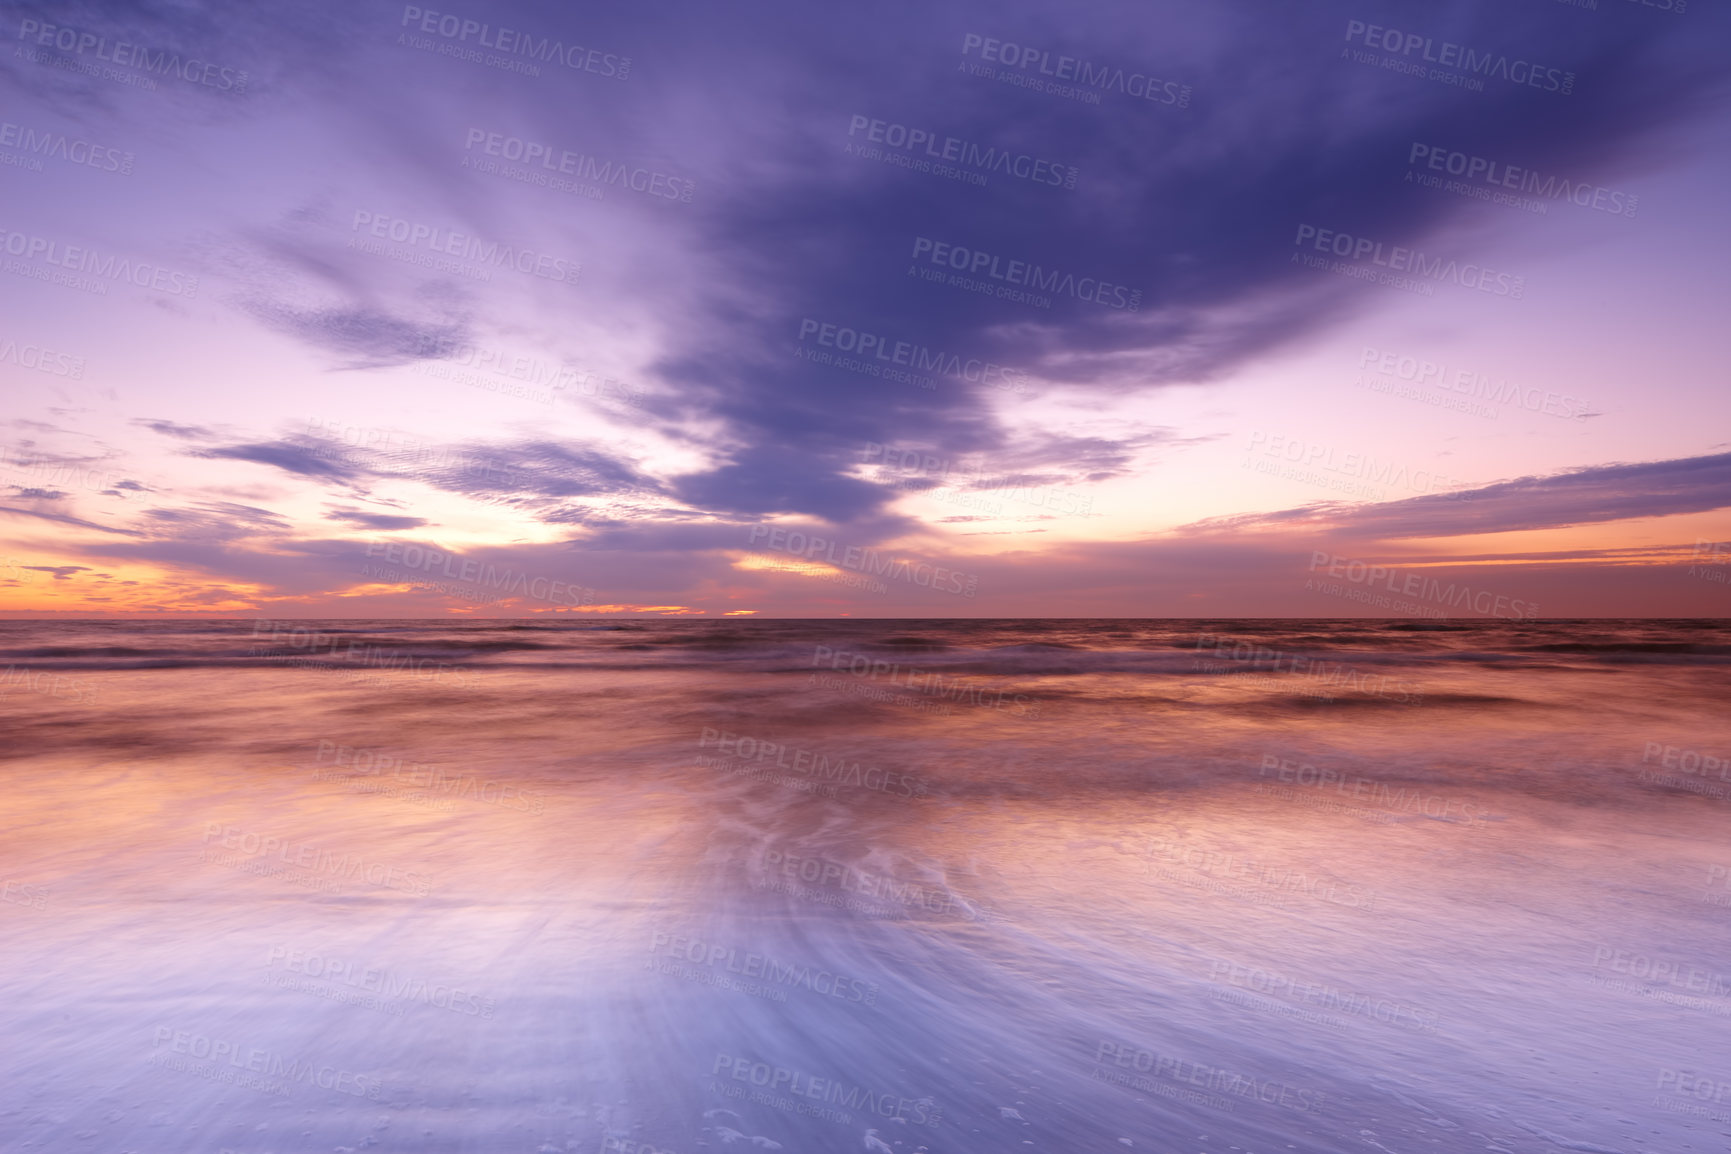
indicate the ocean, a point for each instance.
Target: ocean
{"x":924,"y":887}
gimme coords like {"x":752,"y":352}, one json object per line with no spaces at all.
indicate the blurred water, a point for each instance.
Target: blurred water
{"x":942,"y":886}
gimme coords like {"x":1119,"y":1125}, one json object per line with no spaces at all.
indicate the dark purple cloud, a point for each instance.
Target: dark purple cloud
{"x":366,"y":337}
{"x":62,"y":519}
{"x":179,"y":431}
{"x":1196,"y":208}
{"x":366,"y":520}
{"x":1576,"y":497}
{"x":302,"y":456}
{"x":1193,"y":207}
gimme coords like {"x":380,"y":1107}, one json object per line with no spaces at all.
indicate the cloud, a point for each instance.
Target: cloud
{"x":1581,"y":496}
{"x":522,"y":469}
{"x":1194,"y":207}
{"x":375,"y":520}
{"x":181,"y":432}
{"x":61,"y":519}
{"x":368,"y":337}
{"x":538,"y":475}
{"x":215,"y":521}
{"x":772,"y":479}
{"x":302,"y":456}
{"x":1036,"y":458}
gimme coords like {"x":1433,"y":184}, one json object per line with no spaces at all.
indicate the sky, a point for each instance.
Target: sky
{"x":1211,"y":309}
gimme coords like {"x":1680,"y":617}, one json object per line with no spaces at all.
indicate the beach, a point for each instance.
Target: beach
{"x":945,"y":886}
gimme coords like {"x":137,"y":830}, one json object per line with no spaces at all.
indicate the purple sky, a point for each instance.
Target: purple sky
{"x":1215,"y":309}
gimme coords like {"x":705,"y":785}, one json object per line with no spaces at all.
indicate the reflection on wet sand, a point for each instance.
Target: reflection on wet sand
{"x":652,"y":889}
